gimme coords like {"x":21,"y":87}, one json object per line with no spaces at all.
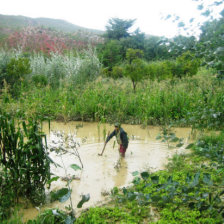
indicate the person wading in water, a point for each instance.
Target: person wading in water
{"x":122,"y":139}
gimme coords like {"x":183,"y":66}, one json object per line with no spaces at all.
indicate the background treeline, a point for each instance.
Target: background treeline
{"x":129,"y":77}
{"x":122,"y":47}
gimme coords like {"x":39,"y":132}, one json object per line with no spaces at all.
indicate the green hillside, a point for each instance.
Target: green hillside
{"x":10,"y":23}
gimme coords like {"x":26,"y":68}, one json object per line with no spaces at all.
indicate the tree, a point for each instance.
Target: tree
{"x":118,"y":28}
{"x":132,"y":54}
{"x":211,"y":42}
{"x":110,"y":53}
{"x":117,"y":72}
{"x":155,"y":48}
{"x":135,"y":69}
{"x":210,"y":23}
{"x":180,"y":44}
{"x":136,"y":40}
{"x":187,"y":64}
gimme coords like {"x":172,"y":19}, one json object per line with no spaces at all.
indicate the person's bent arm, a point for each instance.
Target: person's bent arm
{"x":110,"y":136}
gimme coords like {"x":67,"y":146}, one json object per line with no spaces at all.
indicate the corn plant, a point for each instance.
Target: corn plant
{"x":24,"y":160}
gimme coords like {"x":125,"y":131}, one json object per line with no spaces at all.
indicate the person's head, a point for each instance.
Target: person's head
{"x":117,"y":126}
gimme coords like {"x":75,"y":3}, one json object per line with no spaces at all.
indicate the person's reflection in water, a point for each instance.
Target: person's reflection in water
{"x":122,"y":170}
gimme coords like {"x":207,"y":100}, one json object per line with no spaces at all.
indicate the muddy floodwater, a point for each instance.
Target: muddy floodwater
{"x":101,"y":173}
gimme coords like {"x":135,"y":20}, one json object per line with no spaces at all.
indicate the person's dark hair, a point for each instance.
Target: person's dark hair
{"x":117,"y":125}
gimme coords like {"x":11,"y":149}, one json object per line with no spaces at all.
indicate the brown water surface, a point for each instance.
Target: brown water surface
{"x":101,"y":173}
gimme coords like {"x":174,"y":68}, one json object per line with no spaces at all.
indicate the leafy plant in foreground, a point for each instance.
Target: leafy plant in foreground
{"x":25,"y":165}
{"x":66,"y":145}
{"x":211,"y":147}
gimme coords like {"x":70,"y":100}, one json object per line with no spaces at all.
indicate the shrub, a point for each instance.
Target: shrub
{"x":16,"y":72}
{"x":40,"y":80}
{"x":70,"y":67}
{"x":187,"y":64}
{"x":160,"y":70}
{"x":117,"y":72}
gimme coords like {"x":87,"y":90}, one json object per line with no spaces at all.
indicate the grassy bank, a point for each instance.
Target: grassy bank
{"x":197,"y":101}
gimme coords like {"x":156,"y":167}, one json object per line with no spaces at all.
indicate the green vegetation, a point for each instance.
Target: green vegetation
{"x":25,"y":166}
{"x":15,"y":22}
{"x":153,"y":102}
{"x":176,"y":82}
{"x":189,"y":191}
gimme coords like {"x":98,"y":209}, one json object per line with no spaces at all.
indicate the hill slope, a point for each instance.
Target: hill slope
{"x":8,"y":22}
{"x":44,"y":34}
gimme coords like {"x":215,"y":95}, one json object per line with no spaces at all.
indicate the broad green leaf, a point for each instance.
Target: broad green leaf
{"x":124,"y":190}
{"x":179,"y":145}
{"x":59,"y":194}
{"x":188,"y":178}
{"x":114,"y":191}
{"x":145,"y":175}
{"x":155,"y":179}
{"x":195,"y":180}
{"x":136,"y":180}
{"x":135,"y":173}
{"x":207,"y":179}
{"x":69,"y":220}
{"x":174,"y":139}
{"x":65,"y":197}
{"x":55,"y":212}
{"x":190,"y":146}
{"x":53,"y":179}
{"x":85,"y":198}
{"x":75,"y":167}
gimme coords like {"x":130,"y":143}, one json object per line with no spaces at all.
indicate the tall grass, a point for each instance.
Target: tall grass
{"x":66,"y":87}
{"x":197,"y":100}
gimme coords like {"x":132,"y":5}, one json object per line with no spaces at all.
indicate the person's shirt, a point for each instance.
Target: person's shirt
{"x":121,"y":137}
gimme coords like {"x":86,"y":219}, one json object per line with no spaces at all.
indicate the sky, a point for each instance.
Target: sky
{"x":95,"y":14}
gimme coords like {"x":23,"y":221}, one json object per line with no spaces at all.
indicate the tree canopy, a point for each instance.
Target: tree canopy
{"x":118,"y":28}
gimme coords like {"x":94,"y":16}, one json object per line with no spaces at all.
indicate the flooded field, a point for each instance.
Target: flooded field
{"x":101,"y":173}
